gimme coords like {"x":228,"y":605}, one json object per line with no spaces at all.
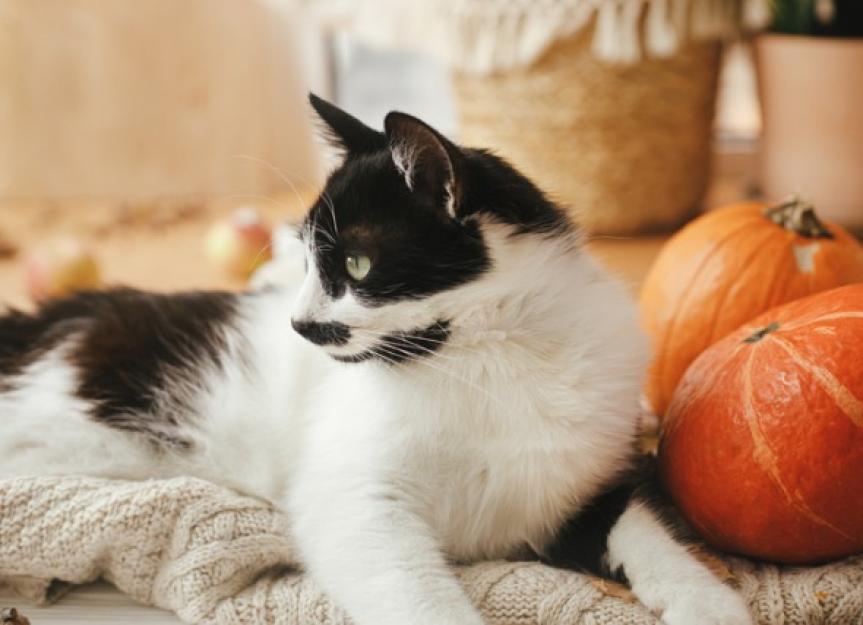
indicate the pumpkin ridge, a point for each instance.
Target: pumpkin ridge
{"x":720,"y":297}
{"x":661,"y":358}
{"x":851,"y":314}
{"x":838,"y":392}
{"x":682,"y":404}
{"x":764,"y":455}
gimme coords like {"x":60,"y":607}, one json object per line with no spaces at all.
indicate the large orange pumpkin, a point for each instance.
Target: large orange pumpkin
{"x":762,"y":446}
{"x":728,"y":266}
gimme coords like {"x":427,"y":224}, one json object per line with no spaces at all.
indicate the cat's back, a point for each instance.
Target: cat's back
{"x":124,"y":383}
{"x":91,"y":381}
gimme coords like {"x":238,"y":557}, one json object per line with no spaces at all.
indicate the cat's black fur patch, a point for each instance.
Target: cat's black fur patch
{"x":138,"y":343}
{"x":344,"y":131}
{"x":582,"y":543}
{"x":417,"y":247}
{"x":495,"y":188}
{"x":414,"y":249}
{"x":400,"y":347}
{"x":25,"y":337}
{"x":128,"y":348}
{"x":330,"y":333}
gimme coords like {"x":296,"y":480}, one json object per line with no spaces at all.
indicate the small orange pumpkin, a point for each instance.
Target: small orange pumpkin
{"x":729,"y":266}
{"x":762,"y":446}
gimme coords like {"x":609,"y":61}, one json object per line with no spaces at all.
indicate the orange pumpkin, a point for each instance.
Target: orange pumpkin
{"x":728,"y":266}
{"x":762,"y":446}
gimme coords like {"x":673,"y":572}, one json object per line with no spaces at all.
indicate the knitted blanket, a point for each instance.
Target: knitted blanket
{"x":216,"y":557}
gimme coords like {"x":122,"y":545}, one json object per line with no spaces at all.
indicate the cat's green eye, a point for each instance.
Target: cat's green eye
{"x":358,"y":266}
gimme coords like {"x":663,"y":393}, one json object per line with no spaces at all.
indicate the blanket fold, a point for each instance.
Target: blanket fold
{"x":218,"y":558}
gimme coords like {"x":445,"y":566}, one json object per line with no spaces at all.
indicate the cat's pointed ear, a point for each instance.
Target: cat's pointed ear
{"x":345,"y":131}
{"x":430,"y":163}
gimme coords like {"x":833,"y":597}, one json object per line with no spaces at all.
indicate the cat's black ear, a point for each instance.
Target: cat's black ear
{"x":345,"y":131}
{"x":431,"y":164}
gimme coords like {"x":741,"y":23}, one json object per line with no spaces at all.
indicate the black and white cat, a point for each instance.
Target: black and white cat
{"x":453,"y":380}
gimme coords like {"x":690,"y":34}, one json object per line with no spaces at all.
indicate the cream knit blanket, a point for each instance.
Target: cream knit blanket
{"x":216,"y":557}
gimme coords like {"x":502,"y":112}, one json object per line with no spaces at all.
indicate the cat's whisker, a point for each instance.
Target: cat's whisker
{"x":416,"y":340}
{"x":282,"y":175}
{"x":316,"y":228}
{"x":261,"y":251}
{"x":426,"y":361}
{"x":415,"y":337}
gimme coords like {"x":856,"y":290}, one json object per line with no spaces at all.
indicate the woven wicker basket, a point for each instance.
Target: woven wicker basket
{"x":625,"y":146}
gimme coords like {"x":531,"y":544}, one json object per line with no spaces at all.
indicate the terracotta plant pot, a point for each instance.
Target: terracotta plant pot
{"x":812,"y":107}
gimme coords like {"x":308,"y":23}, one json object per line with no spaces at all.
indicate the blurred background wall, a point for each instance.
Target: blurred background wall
{"x":134,"y":99}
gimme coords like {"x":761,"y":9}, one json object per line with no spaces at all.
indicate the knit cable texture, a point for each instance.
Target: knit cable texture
{"x":218,"y":558}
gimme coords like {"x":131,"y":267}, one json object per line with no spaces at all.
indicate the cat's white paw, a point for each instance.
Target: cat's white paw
{"x":719,"y":606}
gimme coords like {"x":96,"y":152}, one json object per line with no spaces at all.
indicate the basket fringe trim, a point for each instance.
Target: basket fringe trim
{"x":487,"y":36}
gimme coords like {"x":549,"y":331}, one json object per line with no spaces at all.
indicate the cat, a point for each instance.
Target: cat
{"x":450,"y":378}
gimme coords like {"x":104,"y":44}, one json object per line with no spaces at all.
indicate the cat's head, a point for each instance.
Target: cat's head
{"x":400,"y":234}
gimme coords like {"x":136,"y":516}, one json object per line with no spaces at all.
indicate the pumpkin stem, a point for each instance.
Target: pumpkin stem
{"x":760,"y":334}
{"x":798,"y":216}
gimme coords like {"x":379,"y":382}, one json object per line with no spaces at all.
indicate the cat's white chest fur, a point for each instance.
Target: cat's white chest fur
{"x":493,"y":450}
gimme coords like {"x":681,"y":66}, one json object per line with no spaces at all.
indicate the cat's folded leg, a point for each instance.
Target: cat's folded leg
{"x":378,"y":561}
{"x":666,"y":577}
